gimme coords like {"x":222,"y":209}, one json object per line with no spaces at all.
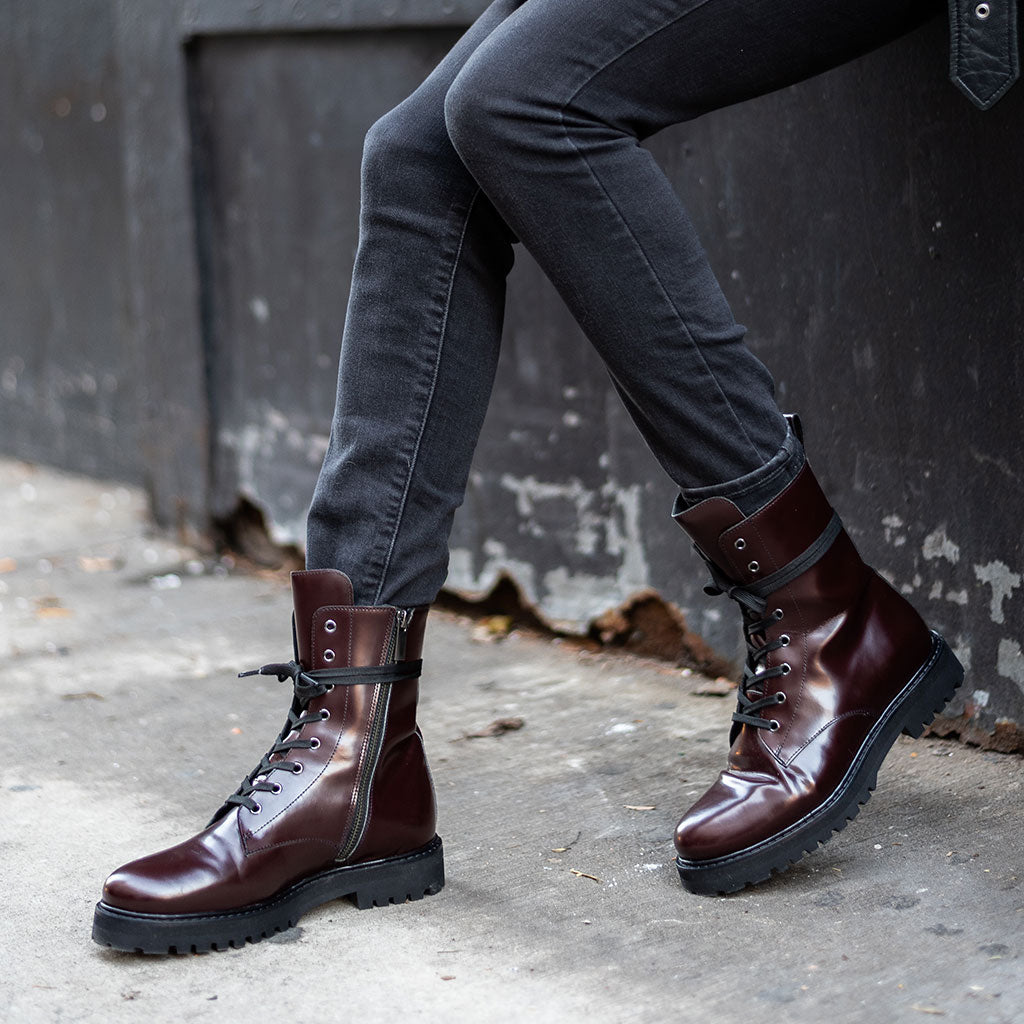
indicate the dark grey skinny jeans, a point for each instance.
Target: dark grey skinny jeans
{"x":528,"y":132}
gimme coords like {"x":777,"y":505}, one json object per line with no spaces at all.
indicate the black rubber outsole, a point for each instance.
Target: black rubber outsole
{"x":374,"y":883}
{"x":910,"y":713}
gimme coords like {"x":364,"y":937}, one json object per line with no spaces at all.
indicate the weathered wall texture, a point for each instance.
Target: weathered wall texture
{"x":180,"y":210}
{"x":69,"y":380}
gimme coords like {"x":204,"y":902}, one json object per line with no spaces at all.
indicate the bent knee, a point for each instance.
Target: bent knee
{"x":482,"y":107}
{"x":406,"y":135}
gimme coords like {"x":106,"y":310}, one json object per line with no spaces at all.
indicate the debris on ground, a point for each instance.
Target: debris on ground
{"x":720,"y":687}
{"x":496,"y":728}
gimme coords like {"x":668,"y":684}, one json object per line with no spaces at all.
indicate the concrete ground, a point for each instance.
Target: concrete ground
{"x":125,"y":727}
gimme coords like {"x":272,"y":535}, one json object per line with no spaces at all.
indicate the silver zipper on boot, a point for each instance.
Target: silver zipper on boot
{"x":378,"y":721}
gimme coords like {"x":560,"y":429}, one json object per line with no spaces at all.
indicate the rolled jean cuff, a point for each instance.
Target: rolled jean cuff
{"x":755,"y":489}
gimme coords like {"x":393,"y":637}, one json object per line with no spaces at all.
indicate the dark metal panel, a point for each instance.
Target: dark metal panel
{"x":211,"y":17}
{"x":278,"y":130}
{"x":163,"y":274}
{"x":68,"y":371}
{"x":863,"y":225}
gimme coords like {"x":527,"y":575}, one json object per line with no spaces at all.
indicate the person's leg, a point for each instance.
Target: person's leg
{"x":547,"y":115}
{"x":419,"y":350}
{"x":342,"y":803}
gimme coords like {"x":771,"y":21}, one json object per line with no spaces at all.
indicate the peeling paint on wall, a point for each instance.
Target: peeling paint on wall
{"x":1010,"y":661}
{"x":938,"y":545}
{"x":1003,"y":583}
{"x":604,"y":525}
{"x":269,"y":440}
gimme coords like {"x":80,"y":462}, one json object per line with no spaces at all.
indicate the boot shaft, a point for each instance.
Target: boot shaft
{"x":839,"y":632}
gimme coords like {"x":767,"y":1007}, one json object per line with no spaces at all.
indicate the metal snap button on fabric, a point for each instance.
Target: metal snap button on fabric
{"x":982,"y":11}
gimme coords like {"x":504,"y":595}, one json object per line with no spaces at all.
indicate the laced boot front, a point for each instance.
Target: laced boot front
{"x":341,"y":805}
{"x":838,"y":664}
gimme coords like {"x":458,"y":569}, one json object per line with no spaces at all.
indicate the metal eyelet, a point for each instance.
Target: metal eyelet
{"x":329,"y":655}
{"x":740,"y":543}
{"x":330,"y":626}
{"x":784,"y":639}
{"x":276,"y":788}
{"x":786,"y":668}
{"x":754,"y":566}
{"x":324,"y":714}
{"x":780,"y":698}
{"x":314,"y":744}
{"x":256,"y":810}
{"x":982,"y":11}
{"x":773,"y":725}
{"x":297,"y":770}
{"x":777,"y":614}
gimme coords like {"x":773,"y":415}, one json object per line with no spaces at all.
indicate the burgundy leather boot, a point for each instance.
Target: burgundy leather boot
{"x":838,"y":664}
{"x":341,"y":805}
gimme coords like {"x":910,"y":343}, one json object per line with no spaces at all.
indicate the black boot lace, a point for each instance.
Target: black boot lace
{"x":751,"y":698}
{"x":306,"y":685}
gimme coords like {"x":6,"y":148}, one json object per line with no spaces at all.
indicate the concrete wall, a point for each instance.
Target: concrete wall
{"x":179,"y":214}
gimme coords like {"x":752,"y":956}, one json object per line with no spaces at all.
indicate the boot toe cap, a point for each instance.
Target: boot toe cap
{"x":196,"y":875}
{"x":129,"y":889}
{"x":737,"y":812}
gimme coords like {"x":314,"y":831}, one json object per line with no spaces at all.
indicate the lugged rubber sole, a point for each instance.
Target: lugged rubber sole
{"x":911,"y":712}
{"x":410,"y":876}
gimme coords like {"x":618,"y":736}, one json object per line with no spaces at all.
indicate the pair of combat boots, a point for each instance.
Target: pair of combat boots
{"x":838,"y":664}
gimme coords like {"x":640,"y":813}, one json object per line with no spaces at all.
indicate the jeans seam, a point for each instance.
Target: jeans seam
{"x":625,"y":222}
{"x":429,"y":400}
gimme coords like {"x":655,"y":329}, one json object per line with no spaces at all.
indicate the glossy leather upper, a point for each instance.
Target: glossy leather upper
{"x":853,"y":644}
{"x":245,"y":856}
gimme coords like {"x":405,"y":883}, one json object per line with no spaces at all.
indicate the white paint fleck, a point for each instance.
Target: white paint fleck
{"x":938,"y":545}
{"x":962,"y":649}
{"x":957,"y":597}
{"x":981,"y":698}
{"x":891,"y":524}
{"x":1010,"y":661}
{"x":260,"y":309}
{"x":619,"y":728}
{"x":1003,"y":583}
{"x":936,"y":592}
{"x":570,"y":418}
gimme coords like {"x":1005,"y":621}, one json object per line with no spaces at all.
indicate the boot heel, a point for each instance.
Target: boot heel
{"x":401,"y":879}
{"x":934,"y":691}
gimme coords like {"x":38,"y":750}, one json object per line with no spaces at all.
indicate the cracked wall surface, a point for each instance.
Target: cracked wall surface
{"x":195,"y":348}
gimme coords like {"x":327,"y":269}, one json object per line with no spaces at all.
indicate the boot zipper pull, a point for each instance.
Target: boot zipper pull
{"x":404,"y":620}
